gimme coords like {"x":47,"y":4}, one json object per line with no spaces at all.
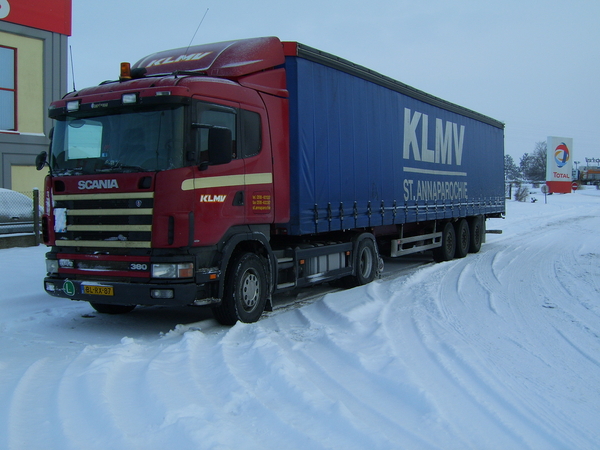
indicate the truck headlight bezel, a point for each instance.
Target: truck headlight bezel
{"x":173,"y":270}
{"x":52,"y":266}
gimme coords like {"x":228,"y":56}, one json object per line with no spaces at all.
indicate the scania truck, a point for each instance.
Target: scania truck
{"x":224,"y":173}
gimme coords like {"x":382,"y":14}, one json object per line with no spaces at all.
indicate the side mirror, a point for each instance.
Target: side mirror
{"x":220,"y":145}
{"x":41,"y":160}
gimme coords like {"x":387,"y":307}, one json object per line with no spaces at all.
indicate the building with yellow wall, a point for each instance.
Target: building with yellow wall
{"x":33,"y":72}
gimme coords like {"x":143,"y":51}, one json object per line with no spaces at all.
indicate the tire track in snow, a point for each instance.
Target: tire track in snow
{"x":97,"y":388}
{"x":33,"y":401}
{"x":437,"y":322}
{"x":445,"y":392}
{"x":229,"y":414}
{"x":438,"y":349}
{"x":330,"y":389}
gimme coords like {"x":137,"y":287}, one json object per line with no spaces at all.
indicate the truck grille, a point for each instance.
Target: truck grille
{"x":120,"y":220}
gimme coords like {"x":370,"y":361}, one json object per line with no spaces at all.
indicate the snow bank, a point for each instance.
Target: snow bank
{"x":500,"y":349}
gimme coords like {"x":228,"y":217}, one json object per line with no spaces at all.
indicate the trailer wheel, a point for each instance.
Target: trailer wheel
{"x":245,"y":293}
{"x":476,"y":226}
{"x":104,"y":308}
{"x":447,"y":250}
{"x":367,"y":261}
{"x":463,"y":238}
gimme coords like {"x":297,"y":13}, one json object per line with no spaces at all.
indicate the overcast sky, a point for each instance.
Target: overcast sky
{"x":532,"y":64}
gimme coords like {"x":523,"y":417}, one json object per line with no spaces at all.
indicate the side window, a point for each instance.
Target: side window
{"x":250,"y":133}
{"x":209,"y":116}
{"x":8,"y":88}
{"x":245,"y":132}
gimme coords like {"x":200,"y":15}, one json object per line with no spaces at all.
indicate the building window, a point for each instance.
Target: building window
{"x":8,"y":88}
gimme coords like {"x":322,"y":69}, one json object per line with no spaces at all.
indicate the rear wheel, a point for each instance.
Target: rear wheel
{"x":366,"y":264}
{"x":447,"y":250}
{"x":112,"y":309}
{"x":477,"y":230}
{"x":463,"y":238}
{"x":367,"y":261}
{"x":245,"y":293}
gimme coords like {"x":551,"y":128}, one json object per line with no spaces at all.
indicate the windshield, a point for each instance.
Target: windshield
{"x":132,"y":141}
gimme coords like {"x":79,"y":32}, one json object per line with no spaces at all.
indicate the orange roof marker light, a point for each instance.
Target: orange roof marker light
{"x":125,"y":71}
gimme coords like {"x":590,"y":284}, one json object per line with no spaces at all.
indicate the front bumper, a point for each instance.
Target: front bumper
{"x":119,"y":293}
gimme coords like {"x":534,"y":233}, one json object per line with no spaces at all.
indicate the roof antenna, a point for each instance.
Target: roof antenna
{"x":72,"y":68}
{"x":190,"y":44}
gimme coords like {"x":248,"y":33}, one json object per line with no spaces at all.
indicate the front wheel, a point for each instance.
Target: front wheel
{"x":245,"y":293}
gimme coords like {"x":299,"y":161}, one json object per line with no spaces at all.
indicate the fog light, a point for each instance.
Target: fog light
{"x":129,"y":98}
{"x":50,"y":287}
{"x":51,"y":266}
{"x":162,"y":293}
{"x":73,"y":106}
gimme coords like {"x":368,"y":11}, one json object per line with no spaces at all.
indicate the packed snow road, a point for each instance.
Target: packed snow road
{"x":499,"y":350}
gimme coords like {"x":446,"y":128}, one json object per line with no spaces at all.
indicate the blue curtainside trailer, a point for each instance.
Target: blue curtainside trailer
{"x":368,"y":151}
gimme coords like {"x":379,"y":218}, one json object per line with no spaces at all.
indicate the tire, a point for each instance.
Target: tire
{"x":245,"y":293}
{"x":477,"y":230}
{"x":448,"y":249}
{"x":104,"y":308}
{"x":463,"y":238}
{"x":367,"y":261}
{"x":366,"y":265}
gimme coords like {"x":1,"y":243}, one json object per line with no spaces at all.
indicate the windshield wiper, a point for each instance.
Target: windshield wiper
{"x":110,"y":167}
{"x":67,"y":172}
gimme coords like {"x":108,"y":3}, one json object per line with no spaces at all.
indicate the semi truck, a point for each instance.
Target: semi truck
{"x":222,"y":174}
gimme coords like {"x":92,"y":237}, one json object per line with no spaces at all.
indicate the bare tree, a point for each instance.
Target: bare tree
{"x":533,"y":166}
{"x":511,"y":171}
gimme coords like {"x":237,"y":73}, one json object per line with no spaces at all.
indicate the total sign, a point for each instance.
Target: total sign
{"x":50,"y":15}
{"x":4,"y":9}
{"x":559,"y":166}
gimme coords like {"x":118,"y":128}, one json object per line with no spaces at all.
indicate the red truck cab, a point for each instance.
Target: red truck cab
{"x":153,"y":178}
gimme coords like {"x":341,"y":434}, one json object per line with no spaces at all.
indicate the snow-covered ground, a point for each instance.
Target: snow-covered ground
{"x":500,"y":350}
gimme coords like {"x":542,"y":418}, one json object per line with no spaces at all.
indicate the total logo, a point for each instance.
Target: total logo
{"x":4,"y":9}
{"x":561,"y":155}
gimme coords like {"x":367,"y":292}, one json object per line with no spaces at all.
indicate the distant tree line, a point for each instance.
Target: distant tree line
{"x":532,"y":166}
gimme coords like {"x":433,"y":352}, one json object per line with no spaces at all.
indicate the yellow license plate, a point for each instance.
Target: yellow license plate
{"x":98,"y":290}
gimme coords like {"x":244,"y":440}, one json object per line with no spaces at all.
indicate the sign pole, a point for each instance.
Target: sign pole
{"x":545,"y":192}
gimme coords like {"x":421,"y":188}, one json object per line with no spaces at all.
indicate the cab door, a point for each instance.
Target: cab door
{"x":258,"y":165}
{"x":219,"y":181}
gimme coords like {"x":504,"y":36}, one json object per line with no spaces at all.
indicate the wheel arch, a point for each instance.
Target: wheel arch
{"x":356,"y":240}
{"x":250,"y":242}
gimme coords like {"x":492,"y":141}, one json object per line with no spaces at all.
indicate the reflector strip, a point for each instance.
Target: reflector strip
{"x":116,"y":196}
{"x":109,"y":227}
{"x":110,"y":212}
{"x":114,"y":244}
{"x":227,"y":180}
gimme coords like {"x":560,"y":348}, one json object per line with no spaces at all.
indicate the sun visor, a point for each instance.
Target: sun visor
{"x":229,"y":59}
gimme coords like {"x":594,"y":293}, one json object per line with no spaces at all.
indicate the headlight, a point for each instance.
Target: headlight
{"x":181,"y":270}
